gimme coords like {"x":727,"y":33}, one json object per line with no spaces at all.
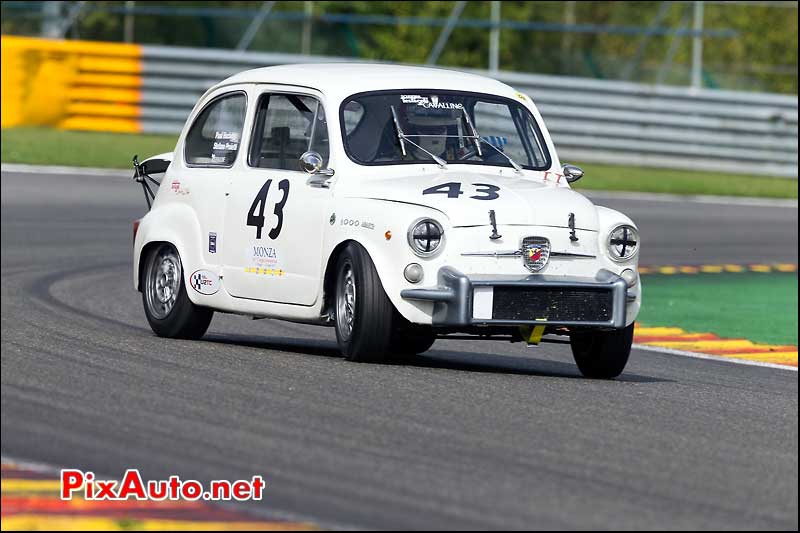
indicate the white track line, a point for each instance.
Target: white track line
{"x":41,"y":468}
{"x":672,"y":351}
{"x":696,"y":198}
{"x":78,"y":171}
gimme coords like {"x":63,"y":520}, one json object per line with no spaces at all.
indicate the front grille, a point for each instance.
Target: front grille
{"x":555,"y":304}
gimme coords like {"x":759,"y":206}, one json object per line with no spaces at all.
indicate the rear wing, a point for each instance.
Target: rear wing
{"x":142,"y":173}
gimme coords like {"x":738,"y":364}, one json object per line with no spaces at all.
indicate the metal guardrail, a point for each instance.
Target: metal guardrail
{"x":590,"y":121}
{"x":112,"y":87}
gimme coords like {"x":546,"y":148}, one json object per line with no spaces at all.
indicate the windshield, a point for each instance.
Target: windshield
{"x":498,"y":131}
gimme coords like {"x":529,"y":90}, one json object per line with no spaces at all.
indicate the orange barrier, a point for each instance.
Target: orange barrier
{"x":78,"y":85}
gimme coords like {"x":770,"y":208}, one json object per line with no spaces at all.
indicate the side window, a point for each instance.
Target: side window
{"x":213,"y":139}
{"x":286,"y":126}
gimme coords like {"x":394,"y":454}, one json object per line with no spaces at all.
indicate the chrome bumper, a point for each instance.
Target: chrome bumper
{"x":454,"y":298}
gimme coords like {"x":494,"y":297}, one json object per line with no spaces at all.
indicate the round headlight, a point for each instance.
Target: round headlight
{"x":425,"y":236}
{"x":623,"y":243}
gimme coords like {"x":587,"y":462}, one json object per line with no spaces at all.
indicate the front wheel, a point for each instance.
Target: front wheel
{"x":166,"y":304}
{"x":412,"y":339}
{"x":364,"y":315}
{"x":602,"y":354}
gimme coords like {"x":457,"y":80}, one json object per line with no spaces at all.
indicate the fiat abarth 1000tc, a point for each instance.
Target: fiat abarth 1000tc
{"x":396,"y":204}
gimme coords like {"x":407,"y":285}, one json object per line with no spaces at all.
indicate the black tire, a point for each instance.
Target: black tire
{"x":364,"y":328}
{"x":168,"y":309}
{"x":602,"y":354}
{"x":412,"y":339}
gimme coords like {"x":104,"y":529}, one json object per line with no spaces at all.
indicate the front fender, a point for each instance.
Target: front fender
{"x":609,"y":219}
{"x":176,"y":224}
{"x":367,"y":221}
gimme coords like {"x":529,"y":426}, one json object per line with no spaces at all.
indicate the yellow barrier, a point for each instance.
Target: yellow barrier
{"x":77,"y":85}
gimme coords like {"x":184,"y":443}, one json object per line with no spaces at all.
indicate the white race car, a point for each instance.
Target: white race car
{"x":397,"y":204}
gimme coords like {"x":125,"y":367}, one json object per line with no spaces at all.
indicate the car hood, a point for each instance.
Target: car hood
{"x":515,"y":200}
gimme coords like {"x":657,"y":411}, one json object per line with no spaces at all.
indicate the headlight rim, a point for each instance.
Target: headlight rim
{"x":410,"y":238}
{"x":609,"y":251}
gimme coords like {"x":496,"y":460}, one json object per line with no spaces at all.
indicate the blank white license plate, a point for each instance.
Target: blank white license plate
{"x":482,"y":302}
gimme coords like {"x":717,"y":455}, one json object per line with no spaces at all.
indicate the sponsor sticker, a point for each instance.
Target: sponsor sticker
{"x":275,"y":272}
{"x":264,"y":260}
{"x":262,"y":256}
{"x":431,"y":102}
{"x":212,"y":242}
{"x":177,"y":188}
{"x":204,"y":282}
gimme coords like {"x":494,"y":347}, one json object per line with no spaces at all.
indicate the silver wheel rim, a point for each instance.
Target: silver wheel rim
{"x":346,"y":302}
{"x":163,"y":282}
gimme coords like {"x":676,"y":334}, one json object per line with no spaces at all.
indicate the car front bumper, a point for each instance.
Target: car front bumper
{"x":460,"y":300}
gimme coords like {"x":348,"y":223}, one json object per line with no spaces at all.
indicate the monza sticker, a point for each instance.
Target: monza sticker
{"x":204,"y":282}
{"x":263,"y":260}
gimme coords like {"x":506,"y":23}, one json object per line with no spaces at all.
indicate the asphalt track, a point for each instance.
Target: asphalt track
{"x":471,"y":435}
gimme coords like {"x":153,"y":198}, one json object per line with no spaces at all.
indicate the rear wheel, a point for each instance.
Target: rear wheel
{"x":602,"y":354}
{"x":363,"y":313}
{"x":166,"y":304}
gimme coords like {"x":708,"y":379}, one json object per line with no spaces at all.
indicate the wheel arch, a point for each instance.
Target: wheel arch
{"x":171,"y":224}
{"x":146,"y":249}
{"x":329,"y":275}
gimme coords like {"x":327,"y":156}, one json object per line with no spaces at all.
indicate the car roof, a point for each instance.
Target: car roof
{"x":343,"y":79}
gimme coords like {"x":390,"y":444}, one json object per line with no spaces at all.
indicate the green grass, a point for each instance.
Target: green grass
{"x":42,"y":146}
{"x":759,"y":307}
{"x":615,"y":178}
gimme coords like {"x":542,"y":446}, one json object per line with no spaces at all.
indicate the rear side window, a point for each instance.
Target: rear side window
{"x":286,"y":126}
{"x":214,"y":138}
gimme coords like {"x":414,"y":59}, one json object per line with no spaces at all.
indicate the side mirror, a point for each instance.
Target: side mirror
{"x":311,"y":163}
{"x":572,"y":173}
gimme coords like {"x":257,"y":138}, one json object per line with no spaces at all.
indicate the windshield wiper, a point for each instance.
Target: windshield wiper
{"x":477,"y":139}
{"x":404,"y":139}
